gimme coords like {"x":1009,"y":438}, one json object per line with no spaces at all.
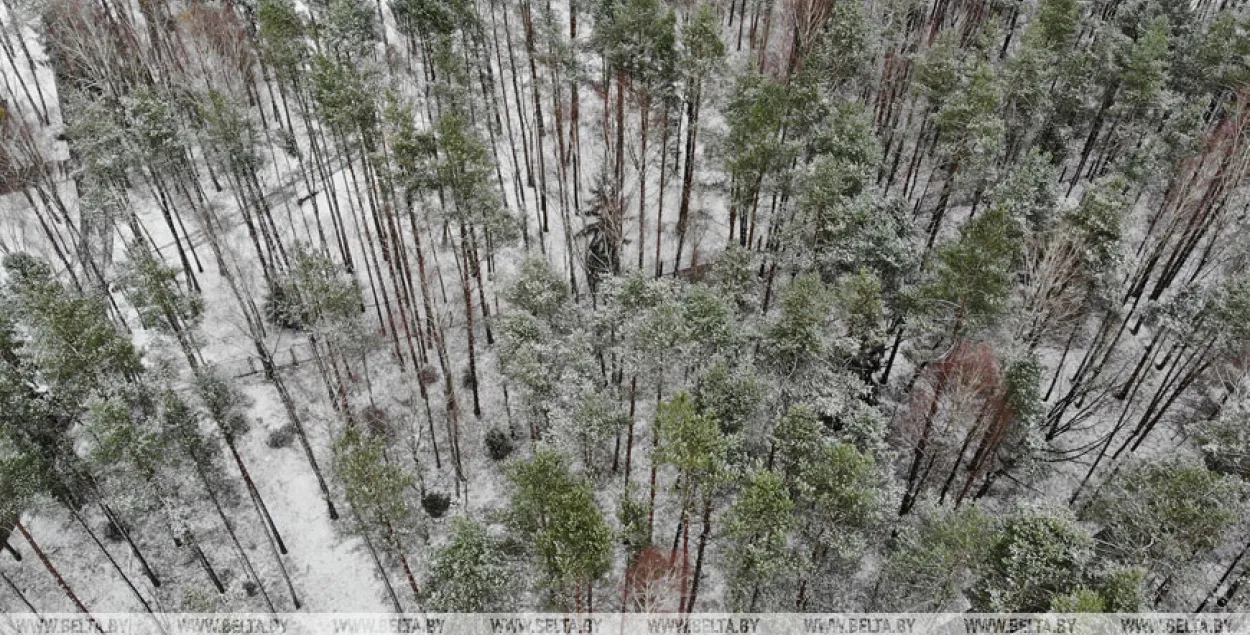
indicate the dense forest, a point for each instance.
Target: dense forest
{"x":624,"y":305}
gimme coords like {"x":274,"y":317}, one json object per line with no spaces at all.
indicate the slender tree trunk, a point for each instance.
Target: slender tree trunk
{"x":18,"y":592}
{"x":688,"y":170}
{"x":698,"y":559}
{"x":108,"y":556}
{"x":60,"y":581}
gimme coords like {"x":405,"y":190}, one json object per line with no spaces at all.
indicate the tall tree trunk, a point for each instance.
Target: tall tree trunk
{"x":688,"y":170}
{"x":698,"y":559}
{"x":60,"y":581}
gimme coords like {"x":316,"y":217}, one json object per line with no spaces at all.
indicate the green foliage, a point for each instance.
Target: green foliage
{"x":847,"y":145}
{"x":590,"y":429}
{"x":97,"y":134}
{"x":282,"y":35}
{"x":972,"y":278}
{"x":638,"y":39}
{"x":1022,"y":446}
{"x":1023,"y":396}
{"x":153,"y":289}
{"x":282,"y":309}
{"x":34,"y":445}
{"x":23,"y":477}
{"x":632,"y":515}
{"x":466,"y":171}
{"x":413,"y":152}
{"x":839,"y":498}
{"x":469,"y":574}
{"x":153,"y":128}
{"x":229,"y":135}
{"x":843,"y":219}
{"x":1144,"y":66}
{"x":1223,"y":317}
{"x":376,"y":488}
{"x":1080,"y":600}
{"x":348,"y":26}
{"x":756,"y":113}
{"x":650,"y":318}
{"x":314,"y":293}
{"x":424,"y":18}
{"x":1056,"y":23}
{"x":1160,"y":514}
{"x":842,"y":488}
{"x":710,"y":322}
{"x":798,"y":338}
{"x":1099,"y":224}
{"x":1225,"y":440}
{"x":538,"y":290}
{"x":1121,"y":590}
{"x":831,"y":155}
{"x":933,"y":559}
{"x":554,"y":512}
{"x":734,"y":277}
{"x":549,"y":366}
{"x":702,"y":48}
{"x":1038,"y":555}
{"x":859,"y":300}
{"x":180,"y":423}
{"x":119,"y":427}
{"x":729,"y":395}
{"x":527,"y":357}
{"x":938,"y":70}
{"x":759,"y":525}
{"x":864,"y":426}
{"x":1117,"y":592}
{"x":69,"y":337}
{"x":343,"y":95}
{"x":224,"y":403}
{"x":968,"y":124}
{"x":1219,"y":56}
{"x":798,"y":439}
{"x":844,"y":51}
{"x":690,"y":441}
{"x":1028,"y":191}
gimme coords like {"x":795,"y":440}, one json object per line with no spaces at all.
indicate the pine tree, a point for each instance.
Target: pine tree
{"x":798,"y":341}
{"x":72,"y":341}
{"x":1037,"y":556}
{"x":970,"y":137}
{"x":638,"y":41}
{"x":760,"y":522}
{"x":971,"y":281}
{"x":590,"y":429}
{"x":841,"y":501}
{"x":377,"y":490}
{"x":694,"y":444}
{"x":154,"y":291}
{"x":1160,"y":516}
{"x":844,"y":221}
{"x":554,"y":511}
{"x":1223,"y":440}
{"x":932,"y":560}
{"x":542,"y":348}
{"x":471,"y":573}
{"x":754,"y":149}
{"x":731,"y":396}
{"x":702,"y":52}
